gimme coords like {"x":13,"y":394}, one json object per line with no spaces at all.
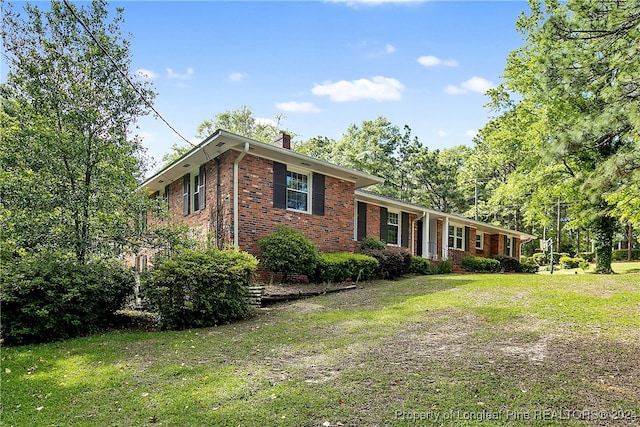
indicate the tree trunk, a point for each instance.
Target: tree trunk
{"x":604,"y":244}
{"x":630,"y":244}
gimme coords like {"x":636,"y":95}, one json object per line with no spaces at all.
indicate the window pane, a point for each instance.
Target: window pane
{"x":392,"y":234}
{"x":450,"y":243}
{"x":392,"y":218}
{"x":478,"y":241}
{"x":297,"y":191}
{"x":459,"y":231}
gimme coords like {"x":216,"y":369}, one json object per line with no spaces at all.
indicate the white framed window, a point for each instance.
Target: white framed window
{"x":393,"y":228}
{"x":298,"y":187}
{"x":479,"y":240}
{"x":456,"y":237}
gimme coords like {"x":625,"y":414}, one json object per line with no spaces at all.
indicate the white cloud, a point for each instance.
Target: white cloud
{"x":471,"y":133}
{"x":297,"y":107}
{"x":390,"y":48}
{"x":474,"y":84}
{"x":237,"y":77}
{"x":173,"y":75}
{"x":263,"y":121}
{"x":146,"y":74}
{"x":454,"y":90}
{"x":477,"y":84}
{"x":434,"y":61}
{"x":442,"y":133}
{"x":377,"y":88}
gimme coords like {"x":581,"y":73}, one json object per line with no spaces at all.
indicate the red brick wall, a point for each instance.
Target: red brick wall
{"x":332,"y":232}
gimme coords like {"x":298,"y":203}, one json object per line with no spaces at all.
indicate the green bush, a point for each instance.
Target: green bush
{"x":372,"y":243}
{"x":622,"y":254}
{"x":444,"y":267}
{"x":480,"y":264}
{"x":587,"y":256}
{"x":192,"y":289}
{"x":584,"y":265}
{"x":391,"y":264}
{"x":421,"y":266}
{"x":49,"y":297}
{"x":528,"y":266}
{"x":508,"y":264}
{"x":540,"y":258}
{"x":340,"y":266}
{"x":569,"y":262}
{"x":287,"y":251}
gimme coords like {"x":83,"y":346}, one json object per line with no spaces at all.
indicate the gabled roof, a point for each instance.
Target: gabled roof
{"x":374,"y":198}
{"x":221,"y":141}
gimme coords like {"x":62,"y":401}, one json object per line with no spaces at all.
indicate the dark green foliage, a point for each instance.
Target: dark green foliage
{"x":508,"y":264}
{"x":569,"y":262}
{"x":198,"y":289}
{"x":622,"y":254}
{"x":529,"y":267}
{"x":372,"y":243}
{"x":480,"y":264}
{"x":50,"y":297}
{"x":391,"y":264}
{"x":605,"y":228}
{"x":588,"y":256}
{"x":421,"y":266}
{"x":444,"y":267}
{"x":287,"y":251}
{"x":340,"y":266}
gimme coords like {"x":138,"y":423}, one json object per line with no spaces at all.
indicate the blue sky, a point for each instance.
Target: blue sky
{"x":323,"y":64}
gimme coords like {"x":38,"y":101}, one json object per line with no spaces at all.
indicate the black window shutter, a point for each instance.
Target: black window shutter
{"x":279,"y":185}
{"x":467,"y":237}
{"x":362,"y":221}
{"x":201,"y":190}
{"x":404,"y":238}
{"x":166,"y":194}
{"x":383,"y":224}
{"x":186,"y":191}
{"x":506,"y":240}
{"x":317,"y":201}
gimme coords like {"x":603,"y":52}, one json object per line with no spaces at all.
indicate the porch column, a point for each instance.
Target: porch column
{"x":445,"y":238}
{"x":425,"y":236}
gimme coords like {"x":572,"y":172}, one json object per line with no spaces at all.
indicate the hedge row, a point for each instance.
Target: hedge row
{"x":193,"y":289}
{"x":340,"y":266}
{"x":49,"y":297}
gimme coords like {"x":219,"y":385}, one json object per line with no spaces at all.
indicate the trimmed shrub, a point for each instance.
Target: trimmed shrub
{"x":584,"y":265}
{"x":372,"y":243}
{"x":420,"y":266}
{"x":287,"y":251}
{"x":480,"y":264}
{"x":49,"y":297}
{"x":587,"y":256}
{"x":508,"y":264}
{"x":622,"y":254}
{"x":340,"y":266}
{"x":540,"y":258}
{"x":528,"y":266}
{"x":391,"y":264}
{"x":444,"y":267}
{"x":193,"y":289}
{"x":569,"y":262}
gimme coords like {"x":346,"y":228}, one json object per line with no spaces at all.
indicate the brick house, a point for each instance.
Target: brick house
{"x":238,"y":190}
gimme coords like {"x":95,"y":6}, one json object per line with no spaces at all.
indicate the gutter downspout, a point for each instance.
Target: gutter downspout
{"x":235,"y":194}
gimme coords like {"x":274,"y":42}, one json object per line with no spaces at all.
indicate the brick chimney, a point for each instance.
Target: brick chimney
{"x":283,"y":141}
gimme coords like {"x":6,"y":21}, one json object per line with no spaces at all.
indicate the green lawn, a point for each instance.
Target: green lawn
{"x":440,"y":350}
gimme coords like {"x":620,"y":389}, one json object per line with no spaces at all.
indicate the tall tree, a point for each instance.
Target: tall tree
{"x":580,"y":69}
{"x":70,"y":167}
{"x":241,"y":121}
